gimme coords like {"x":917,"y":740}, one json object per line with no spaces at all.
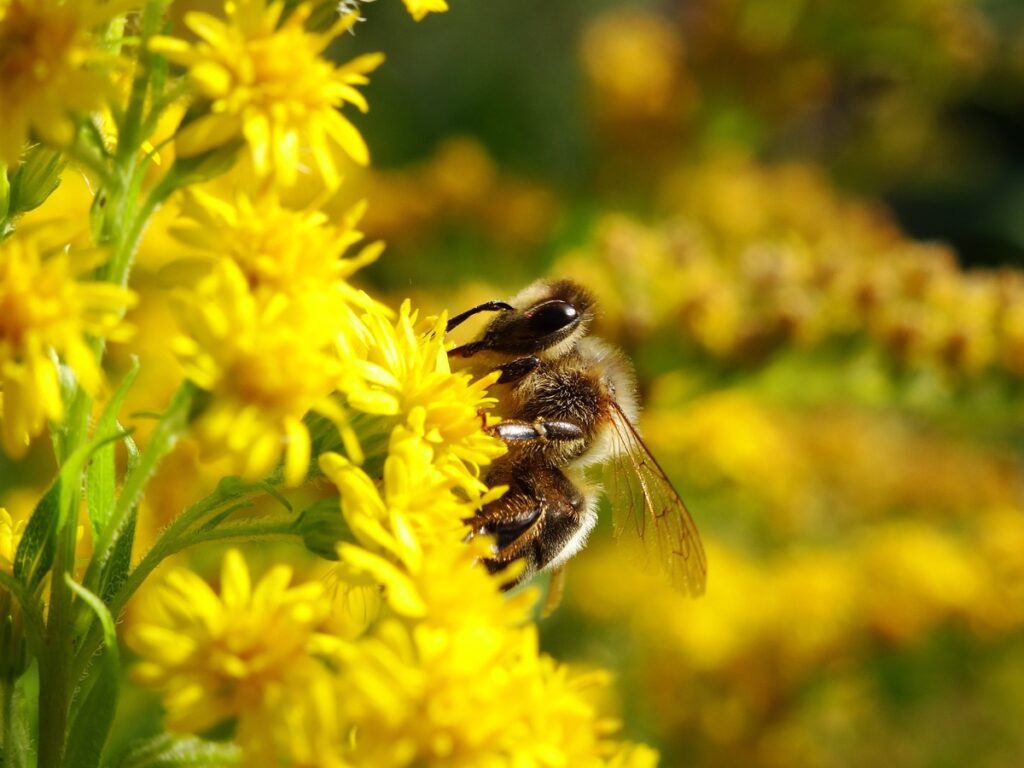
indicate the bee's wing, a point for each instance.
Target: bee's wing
{"x":646,"y":507}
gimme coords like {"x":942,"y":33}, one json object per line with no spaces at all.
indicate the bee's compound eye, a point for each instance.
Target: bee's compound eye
{"x":552,"y":316}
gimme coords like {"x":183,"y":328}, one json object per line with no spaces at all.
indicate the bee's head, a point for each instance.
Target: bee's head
{"x":545,"y":319}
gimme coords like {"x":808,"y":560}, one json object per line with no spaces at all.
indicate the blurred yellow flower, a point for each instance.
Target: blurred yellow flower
{"x":46,"y":312}
{"x":277,"y":248}
{"x":634,"y":756}
{"x":765,"y":260}
{"x":10,"y":537}
{"x":634,"y":60}
{"x":267,"y":84}
{"x":420,"y":8}
{"x":255,"y":654}
{"x":267,"y":361}
{"x":50,"y":69}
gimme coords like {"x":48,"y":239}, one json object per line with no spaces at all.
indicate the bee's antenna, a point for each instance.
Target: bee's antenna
{"x":487,"y":306}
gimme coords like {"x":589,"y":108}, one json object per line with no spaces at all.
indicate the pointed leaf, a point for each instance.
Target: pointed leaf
{"x":95,"y":710}
{"x":170,"y":751}
{"x":35,"y":552}
{"x":101,"y":479}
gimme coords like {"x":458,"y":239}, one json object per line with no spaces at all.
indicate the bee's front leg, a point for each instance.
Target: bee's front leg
{"x":517,"y":369}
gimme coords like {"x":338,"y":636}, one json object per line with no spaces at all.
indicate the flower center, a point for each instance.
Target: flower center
{"x":32,"y":47}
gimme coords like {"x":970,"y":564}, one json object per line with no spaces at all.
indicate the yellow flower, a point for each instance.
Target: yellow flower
{"x":634,"y":61}
{"x":45,"y":310}
{"x":634,"y":756}
{"x":266,"y":361}
{"x":276,"y":247}
{"x":406,"y":373}
{"x":267,"y":83}
{"x":253,"y":653}
{"x":50,"y":69}
{"x":415,"y":511}
{"x":465,"y":685}
{"x":420,"y":8}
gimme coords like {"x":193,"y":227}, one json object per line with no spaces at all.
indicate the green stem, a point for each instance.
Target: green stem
{"x":92,"y":160}
{"x":7,"y":721}
{"x":55,"y":687}
{"x":130,"y":135}
{"x":129,"y":236}
{"x":155,"y":556}
{"x":264,"y":530}
{"x":161,"y":441}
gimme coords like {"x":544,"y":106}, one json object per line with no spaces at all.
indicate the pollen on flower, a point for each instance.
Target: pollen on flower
{"x":46,"y":311}
{"x":416,"y":507}
{"x":405,"y":372}
{"x":50,"y":69}
{"x":266,"y":83}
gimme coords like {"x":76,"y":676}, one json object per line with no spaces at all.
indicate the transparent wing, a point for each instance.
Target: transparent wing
{"x":648,"y":509}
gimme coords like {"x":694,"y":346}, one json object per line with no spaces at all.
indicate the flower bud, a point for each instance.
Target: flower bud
{"x":36,"y":179}
{"x":322,"y":526}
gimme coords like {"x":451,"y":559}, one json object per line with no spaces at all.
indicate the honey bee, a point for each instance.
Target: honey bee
{"x":568,"y":401}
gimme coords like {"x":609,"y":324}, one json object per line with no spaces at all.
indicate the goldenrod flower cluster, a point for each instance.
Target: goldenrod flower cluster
{"x":268,"y":85}
{"x":286,"y":382}
{"x":47,"y":306}
{"x":861,"y":551}
{"x":445,"y":670}
{"x":768,"y":259}
{"x":51,"y":68}
{"x":458,"y":187}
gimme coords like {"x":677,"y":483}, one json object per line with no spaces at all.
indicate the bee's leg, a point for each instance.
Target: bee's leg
{"x":517,"y":369}
{"x":515,"y":431}
{"x":487,"y":306}
{"x":556,"y":588}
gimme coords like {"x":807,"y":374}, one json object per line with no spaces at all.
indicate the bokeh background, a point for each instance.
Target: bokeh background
{"x":804,"y":221}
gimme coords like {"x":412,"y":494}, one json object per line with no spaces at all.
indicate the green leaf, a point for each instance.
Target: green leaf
{"x":18,"y":749}
{"x":30,"y":608}
{"x":168,"y":751}
{"x":101,"y":479}
{"x":35,"y":552}
{"x":121,"y":523}
{"x":220,"y":517}
{"x":94,"y":712}
{"x":120,"y":562}
{"x":36,"y":178}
